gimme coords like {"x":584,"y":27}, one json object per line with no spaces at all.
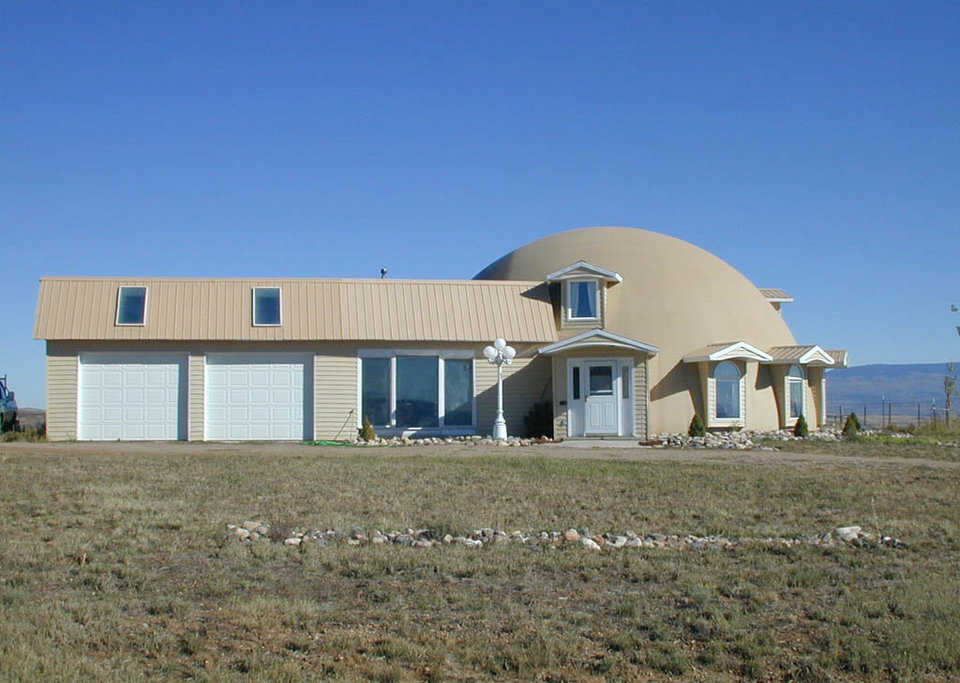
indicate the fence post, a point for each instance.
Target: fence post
{"x":918,"y":413}
{"x":889,"y":415}
{"x":865,"y":425}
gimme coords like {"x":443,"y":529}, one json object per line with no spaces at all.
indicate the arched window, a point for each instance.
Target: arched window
{"x":727,"y":376}
{"x":795,"y":391}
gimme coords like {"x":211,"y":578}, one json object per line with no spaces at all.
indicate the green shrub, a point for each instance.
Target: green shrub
{"x":539,"y":421}
{"x":851,"y":426}
{"x":696,"y":427}
{"x":800,"y":429}
{"x":366,"y":431}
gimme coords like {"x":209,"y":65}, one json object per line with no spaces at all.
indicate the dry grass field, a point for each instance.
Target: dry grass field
{"x":114,"y":564}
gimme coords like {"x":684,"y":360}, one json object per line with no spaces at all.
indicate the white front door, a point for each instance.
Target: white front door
{"x":601,"y":405}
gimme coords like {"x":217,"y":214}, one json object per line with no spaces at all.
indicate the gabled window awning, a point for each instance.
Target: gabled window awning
{"x":801,"y":355}
{"x":598,"y":338}
{"x":739,"y":350}
{"x":776,"y":296}
{"x":582,"y":269}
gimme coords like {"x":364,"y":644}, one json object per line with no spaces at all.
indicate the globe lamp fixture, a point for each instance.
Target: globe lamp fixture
{"x":499,"y":354}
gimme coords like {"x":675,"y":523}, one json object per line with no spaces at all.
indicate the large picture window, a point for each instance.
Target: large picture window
{"x":407,"y":391}
{"x":418,"y":393}
{"x":727,"y":377}
{"x":795,"y":390}
{"x":458,"y":392}
{"x":375,"y":385}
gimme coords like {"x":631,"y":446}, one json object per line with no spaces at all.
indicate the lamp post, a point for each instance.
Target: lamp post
{"x":499,"y":354}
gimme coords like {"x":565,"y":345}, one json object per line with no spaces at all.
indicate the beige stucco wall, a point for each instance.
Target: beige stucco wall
{"x":675,"y":296}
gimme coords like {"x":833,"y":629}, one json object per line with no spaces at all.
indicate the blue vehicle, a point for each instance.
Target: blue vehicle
{"x":8,"y":407}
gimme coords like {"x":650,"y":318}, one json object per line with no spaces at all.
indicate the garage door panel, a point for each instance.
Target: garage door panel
{"x":263,"y":398}
{"x":131,"y":397}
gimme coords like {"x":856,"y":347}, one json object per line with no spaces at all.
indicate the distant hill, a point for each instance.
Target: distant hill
{"x":31,"y":417}
{"x":898,"y":383}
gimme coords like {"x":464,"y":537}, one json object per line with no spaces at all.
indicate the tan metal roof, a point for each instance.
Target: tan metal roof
{"x":776,"y":295}
{"x":839,"y":356}
{"x":788,"y":353}
{"x":312,"y":309}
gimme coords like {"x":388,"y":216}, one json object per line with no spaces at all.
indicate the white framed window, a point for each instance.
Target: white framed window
{"x":131,"y":306}
{"x":267,"y":309}
{"x":728,"y":380}
{"x":583,"y":300}
{"x":795,"y":397}
{"x":414,"y":390}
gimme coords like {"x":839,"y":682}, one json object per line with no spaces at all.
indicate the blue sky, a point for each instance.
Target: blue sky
{"x":814,"y":146}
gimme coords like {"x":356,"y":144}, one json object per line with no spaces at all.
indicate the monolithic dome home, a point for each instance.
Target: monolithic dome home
{"x":624,"y":332}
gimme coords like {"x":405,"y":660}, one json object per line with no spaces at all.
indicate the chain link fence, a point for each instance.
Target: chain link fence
{"x":883,"y":414}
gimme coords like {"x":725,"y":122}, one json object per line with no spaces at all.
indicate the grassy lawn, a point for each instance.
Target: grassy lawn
{"x":928,"y":445}
{"x":116,"y":565}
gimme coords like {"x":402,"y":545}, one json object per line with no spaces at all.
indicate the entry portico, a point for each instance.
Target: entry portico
{"x":599,"y":384}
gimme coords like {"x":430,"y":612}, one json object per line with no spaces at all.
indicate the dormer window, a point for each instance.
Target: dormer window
{"x":583,"y":293}
{"x":131,"y":305}
{"x":584,"y":298}
{"x":266,"y":306}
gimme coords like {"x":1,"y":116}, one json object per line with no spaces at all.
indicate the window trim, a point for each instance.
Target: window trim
{"x":441,"y":355}
{"x":740,"y":419}
{"x":802,"y":381}
{"x":253,"y":306}
{"x":569,"y":307}
{"x":146,"y":298}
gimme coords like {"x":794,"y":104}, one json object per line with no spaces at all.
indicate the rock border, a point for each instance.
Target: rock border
{"x":252,"y":531}
{"x":732,"y":439}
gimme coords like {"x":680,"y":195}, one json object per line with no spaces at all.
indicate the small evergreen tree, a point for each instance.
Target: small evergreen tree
{"x":800,"y":429}
{"x":696,"y":427}
{"x":539,"y":421}
{"x":366,"y":432}
{"x":851,"y":427}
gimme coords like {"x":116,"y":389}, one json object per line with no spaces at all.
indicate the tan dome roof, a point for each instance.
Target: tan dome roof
{"x":674,"y":295}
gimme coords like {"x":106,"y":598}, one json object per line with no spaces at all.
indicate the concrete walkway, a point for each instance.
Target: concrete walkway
{"x":597,"y":443}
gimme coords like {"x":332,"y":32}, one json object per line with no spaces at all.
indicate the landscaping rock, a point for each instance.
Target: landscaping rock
{"x":847,"y":534}
{"x":589,"y":544}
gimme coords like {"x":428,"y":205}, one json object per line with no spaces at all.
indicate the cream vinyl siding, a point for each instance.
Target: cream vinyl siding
{"x":62,"y":374}
{"x":311,"y":310}
{"x":640,"y":398}
{"x":526,"y":381}
{"x":335,"y":393}
{"x":195,"y":388}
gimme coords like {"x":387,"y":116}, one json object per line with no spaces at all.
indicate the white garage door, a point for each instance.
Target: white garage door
{"x":131,"y":397}
{"x":254,"y":397}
